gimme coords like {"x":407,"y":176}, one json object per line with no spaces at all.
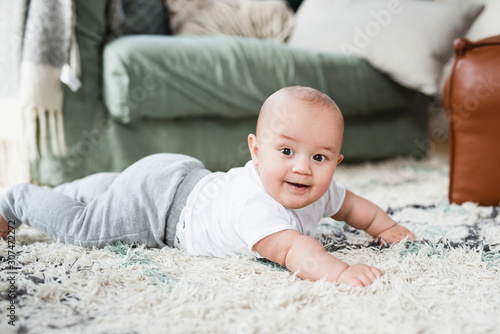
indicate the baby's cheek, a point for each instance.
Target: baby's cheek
{"x":322,"y":189}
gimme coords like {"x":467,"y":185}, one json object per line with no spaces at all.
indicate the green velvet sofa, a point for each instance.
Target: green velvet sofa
{"x":200,"y":96}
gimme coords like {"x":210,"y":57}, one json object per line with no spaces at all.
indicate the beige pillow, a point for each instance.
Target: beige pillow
{"x":251,"y":18}
{"x":408,"y":40}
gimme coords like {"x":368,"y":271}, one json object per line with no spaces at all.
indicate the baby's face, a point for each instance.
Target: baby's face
{"x":297,"y":152}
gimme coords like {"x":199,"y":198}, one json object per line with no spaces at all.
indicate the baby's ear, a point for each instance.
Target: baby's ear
{"x":341,"y":157}
{"x":253,"y":147}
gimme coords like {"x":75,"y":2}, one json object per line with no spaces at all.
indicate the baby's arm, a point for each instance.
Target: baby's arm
{"x":362,"y":214}
{"x":307,"y":257}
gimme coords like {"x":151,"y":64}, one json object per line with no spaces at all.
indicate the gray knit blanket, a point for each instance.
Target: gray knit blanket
{"x":38,"y":52}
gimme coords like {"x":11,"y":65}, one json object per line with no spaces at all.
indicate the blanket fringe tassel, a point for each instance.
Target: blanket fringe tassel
{"x":14,"y":166}
{"x":38,"y":134}
{"x":39,"y":123}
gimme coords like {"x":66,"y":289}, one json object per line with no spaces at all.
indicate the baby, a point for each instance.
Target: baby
{"x":270,"y":208}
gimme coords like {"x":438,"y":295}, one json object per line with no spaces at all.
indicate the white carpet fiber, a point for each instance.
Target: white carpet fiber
{"x":446,"y":282}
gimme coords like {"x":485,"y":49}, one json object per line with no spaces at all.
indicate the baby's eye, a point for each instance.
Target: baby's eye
{"x":286,"y":151}
{"x":319,"y":157}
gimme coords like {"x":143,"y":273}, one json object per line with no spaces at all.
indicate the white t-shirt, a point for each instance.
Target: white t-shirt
{"x":228,"y":213}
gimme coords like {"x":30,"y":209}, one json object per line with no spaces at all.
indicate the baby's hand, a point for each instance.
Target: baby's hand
{"x":359,"y":275}
{"x":395,"y":234}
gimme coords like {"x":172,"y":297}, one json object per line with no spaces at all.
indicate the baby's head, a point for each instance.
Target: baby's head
{"x":296,"y":147}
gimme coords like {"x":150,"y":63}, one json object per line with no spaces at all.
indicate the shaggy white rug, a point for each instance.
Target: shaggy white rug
{"x":446,"y":282}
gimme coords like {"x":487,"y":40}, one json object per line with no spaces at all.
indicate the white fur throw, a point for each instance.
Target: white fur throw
{"x":251,"y":18}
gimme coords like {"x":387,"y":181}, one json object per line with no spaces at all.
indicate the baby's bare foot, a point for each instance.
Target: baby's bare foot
{"x":4,"y":228}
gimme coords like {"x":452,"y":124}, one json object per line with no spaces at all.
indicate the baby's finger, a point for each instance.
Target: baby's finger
{"x":376,"y":271}
{"x":355,"y":282}
{"x":367,"y":277}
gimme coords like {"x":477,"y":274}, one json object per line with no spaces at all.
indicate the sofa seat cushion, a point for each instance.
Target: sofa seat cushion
{"x":168,"y":77}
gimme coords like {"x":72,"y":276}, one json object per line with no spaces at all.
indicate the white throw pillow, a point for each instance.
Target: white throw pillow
{"x":408,"y":40}
{"x":251,"y":18}
{"x":487,"y":24}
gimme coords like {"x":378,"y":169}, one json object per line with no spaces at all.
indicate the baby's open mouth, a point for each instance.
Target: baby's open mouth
{"x":298,"y":185}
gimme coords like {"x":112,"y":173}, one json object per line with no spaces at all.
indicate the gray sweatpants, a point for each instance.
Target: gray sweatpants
{"x":142,"y":204}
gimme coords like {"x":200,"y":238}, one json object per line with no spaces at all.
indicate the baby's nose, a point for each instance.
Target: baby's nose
{"x":301,"y":166}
